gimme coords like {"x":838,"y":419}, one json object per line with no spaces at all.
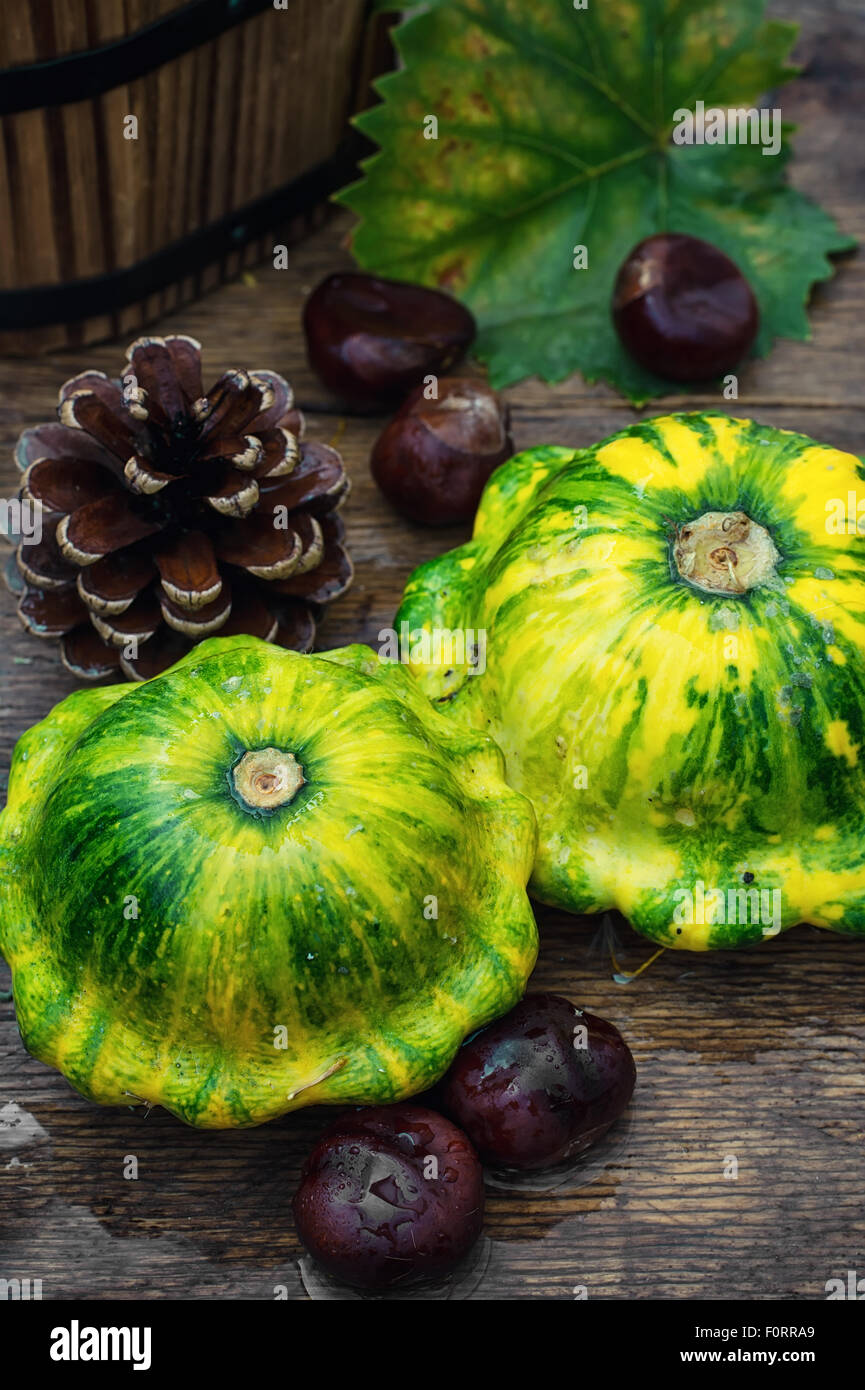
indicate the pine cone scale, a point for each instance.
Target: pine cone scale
{"x":50,"y":613}
{"x":297,"y":628}
{"x":57,"y":441}
{"x":235,"y":494}
{"x":242,"y":451}
{"x":137,"y":623}
{"x":63,"y":485}
{"x":280,"y":453}
{"x":105,"y":423}
{"x":154,"y":370}
{"x":188,"y":570}
{"x":198,"y":622}
{"x":308,"y":528}
{"x":143,"y":478}
{"x":234,"y":403}
{"x":249,"y":615}
{"x":260,"y":547}
{"x":281,"y":410}
{"x":328,"y":581}
{"x":85,"y":654}
{"x":318,"y":483}
{"x":43,"y":565}
{"x":185,"y":355}
{"x":114,"y":582}
{"x":155,"y":656}
{"x":99,"y":528}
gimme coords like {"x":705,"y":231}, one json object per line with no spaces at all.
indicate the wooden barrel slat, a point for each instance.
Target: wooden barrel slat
{"x":218,"y":127}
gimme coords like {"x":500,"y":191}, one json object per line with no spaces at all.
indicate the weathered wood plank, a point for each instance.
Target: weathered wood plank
{"x":755,"y":1056}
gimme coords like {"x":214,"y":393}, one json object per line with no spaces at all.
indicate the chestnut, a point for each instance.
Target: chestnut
{"x":433,"y":459}
{"x":371,"y":340}
{"x":541,"y":1085}
{"x":390,"y":1196}
{"x":683,"y":309}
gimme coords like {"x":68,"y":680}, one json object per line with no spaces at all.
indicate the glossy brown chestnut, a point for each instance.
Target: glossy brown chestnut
{"x":371,"y":340}
{"x":539,"y":1086}
{"x":435,"y":456}
{"x":390,"y":1196}
{"x":683,"y":309}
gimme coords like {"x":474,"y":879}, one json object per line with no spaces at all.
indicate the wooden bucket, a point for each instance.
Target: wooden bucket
{"x":146,"y":149}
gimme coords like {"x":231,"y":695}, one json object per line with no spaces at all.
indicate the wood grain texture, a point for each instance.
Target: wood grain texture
{"x":754,"y":1055}
{"x":218,"y":127}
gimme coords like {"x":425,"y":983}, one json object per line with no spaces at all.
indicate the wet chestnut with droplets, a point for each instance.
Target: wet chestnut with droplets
{"x":390,"y":1196}
{"x":434,"y":458}
{"x":683,"y":309}
{"x":540,"y":1085}
{"x":372,"y":340}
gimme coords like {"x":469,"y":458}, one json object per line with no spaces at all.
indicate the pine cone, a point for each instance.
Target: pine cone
{"x":169,"y":515}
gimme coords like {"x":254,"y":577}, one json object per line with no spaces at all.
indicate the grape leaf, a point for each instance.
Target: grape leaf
{"x":554,"y":131}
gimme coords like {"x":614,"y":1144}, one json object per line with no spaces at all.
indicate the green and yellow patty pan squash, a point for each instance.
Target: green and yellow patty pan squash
{"x":260,"y":881}
{"x":672,"y":626}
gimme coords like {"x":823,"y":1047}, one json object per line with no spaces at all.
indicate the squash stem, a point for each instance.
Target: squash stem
{"x":267,"y":778}
{"x":724,"y":553}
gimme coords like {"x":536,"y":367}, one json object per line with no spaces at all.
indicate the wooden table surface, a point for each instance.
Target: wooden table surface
{"x":739,"y":1170}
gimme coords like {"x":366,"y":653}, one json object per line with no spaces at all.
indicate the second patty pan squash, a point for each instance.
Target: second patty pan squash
{"x":673,"y":635}
{"x":260,"y":881}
